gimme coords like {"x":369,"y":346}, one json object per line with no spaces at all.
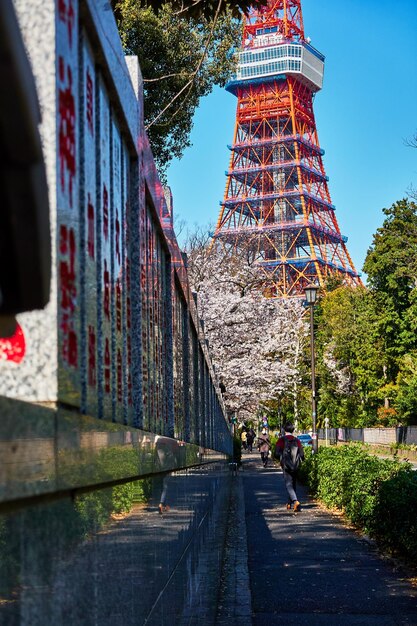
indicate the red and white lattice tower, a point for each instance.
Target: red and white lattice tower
{"x":277,"y":199}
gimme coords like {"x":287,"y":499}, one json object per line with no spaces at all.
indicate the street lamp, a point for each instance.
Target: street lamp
{"x":311,"y":297}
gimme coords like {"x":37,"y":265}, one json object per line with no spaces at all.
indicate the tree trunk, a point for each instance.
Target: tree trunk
{"x":386,"y":400}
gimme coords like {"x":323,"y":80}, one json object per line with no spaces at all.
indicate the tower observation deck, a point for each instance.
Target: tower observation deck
{"x":277,"y":200}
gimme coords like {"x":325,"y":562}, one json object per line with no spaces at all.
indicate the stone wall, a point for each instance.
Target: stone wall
{"x":108,"y":343}
{"x":114,"y":476}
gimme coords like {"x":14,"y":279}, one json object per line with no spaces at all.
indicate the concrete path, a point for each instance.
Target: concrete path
{"x":309,"y":568}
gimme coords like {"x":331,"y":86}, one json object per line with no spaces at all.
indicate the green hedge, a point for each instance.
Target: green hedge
{"x":377,"y":495}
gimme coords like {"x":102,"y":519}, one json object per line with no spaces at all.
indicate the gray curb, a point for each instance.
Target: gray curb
{"x":235,"y":602}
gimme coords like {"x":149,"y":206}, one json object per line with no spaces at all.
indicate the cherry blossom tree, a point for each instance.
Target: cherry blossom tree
{"x":255,"y":341}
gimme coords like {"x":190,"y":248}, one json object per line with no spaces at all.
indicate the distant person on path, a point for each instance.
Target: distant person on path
{"x":264,"y":446}
{"x":244,"y":437}
{"x":163,"y":506}
{"x":250,"y":438}
{"x":289,"y":451}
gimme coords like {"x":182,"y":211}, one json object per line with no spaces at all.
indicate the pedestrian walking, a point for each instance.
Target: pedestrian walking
{"x":264,"y":446}
{"x":243,"y":438}
{"x":250,"y":438}
{"x":289,"y":451}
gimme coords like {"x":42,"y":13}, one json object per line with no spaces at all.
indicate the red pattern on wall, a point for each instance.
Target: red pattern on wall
{"x":119,"y":377}
{"x":106,"y":290}
{"x":13,"y":348}
{"x":89,"y":102}
{"x":68,"y":295}
{"x":129,"y":371}
{"x":119,"y":305}
{"x":105,"y":213}
{"x":67,"y":15}
{"x":66,"y":141}
{"x":91,"y":228}
{"x":107,"y":366}
{"x":118,"y":254}
{"x":92,"y":377}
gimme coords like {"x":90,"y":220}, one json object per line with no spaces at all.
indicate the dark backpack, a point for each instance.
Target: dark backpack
{"x":291,"y":458}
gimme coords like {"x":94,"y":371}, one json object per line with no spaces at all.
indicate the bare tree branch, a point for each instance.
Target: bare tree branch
{"x":411,"y":142}
{"x":156,"y":80}
{"x":189,"y":84}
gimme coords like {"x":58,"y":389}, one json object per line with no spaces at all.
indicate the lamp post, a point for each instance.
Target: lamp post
{"x":311,"y":297}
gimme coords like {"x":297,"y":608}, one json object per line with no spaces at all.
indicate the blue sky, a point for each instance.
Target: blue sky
{"x":364,"y":113}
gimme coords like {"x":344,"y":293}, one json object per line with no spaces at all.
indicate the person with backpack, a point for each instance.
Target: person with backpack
{"x":290,"y":452}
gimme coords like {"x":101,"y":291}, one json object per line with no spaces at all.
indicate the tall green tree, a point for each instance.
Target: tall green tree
{"x":367,"y":341}
{"x":350,"y":369}
{"x":197,"y":9}
{"x":181,"y":58}
{"x":406,"y":399}
{"x":391,"y":266}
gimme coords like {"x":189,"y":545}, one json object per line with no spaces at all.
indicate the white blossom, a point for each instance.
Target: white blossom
{"x":254,"y":340}
{"x":341,"y":375}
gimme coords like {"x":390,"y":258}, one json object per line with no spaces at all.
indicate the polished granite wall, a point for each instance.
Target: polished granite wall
{"x":84,"y":464}
{"x":82,"y":541}
{"x":85,"y":560}
{"x":47,"y":452}
{"x":109,"y":344}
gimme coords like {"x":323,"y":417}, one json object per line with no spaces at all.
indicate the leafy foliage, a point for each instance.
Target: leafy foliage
{"x":396,"y":526}
{"x":391,"y":265}
{"x":406,"y":399}
{"x":368,"y":490}
{"x":391,"y":262}
{"x":181,"y":58}
{"x":197,"y":9}
{"x":350,"y":365}
{"x":367,"y":338}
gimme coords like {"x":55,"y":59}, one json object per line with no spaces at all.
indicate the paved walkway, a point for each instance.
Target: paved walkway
{"x":307,"y":568}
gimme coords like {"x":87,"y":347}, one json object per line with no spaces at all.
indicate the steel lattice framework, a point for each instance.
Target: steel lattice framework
{"x":277,"y":199}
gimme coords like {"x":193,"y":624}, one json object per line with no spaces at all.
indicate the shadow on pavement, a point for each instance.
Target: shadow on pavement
{"x":310,"y":568}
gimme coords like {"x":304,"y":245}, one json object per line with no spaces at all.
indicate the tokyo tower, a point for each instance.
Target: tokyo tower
{"x":277,"y":200}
